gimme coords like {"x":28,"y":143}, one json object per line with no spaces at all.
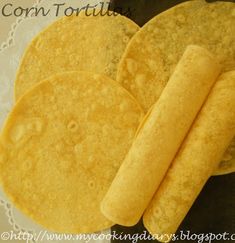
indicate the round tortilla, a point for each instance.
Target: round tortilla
{"x":61,"y":147}
{"x":86,"y":43}
{"x":162,"y":41}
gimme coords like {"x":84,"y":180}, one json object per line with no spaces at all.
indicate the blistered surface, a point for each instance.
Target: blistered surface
{"x":162,"y":41}
{"x":75,"y":43}
{"x":63,"y":144}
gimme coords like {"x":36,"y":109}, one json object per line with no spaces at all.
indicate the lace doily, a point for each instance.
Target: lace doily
{"x":11,"y":50}
{"x":10,"y":38}
{"x":21,"y":33}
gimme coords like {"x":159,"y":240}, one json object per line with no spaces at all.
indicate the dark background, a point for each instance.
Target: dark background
{"x":144,"y":10}
{"x":214,"y":209}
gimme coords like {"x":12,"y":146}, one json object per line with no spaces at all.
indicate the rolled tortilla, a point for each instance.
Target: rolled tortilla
{"x":198,"y":157}
{"x":160,"y":137}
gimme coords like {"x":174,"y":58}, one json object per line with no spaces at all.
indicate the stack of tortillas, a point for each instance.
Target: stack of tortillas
{"x":78,"y":155}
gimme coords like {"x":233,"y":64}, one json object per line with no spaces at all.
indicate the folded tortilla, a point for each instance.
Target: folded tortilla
{"x":160,"y":137}
{"x":198,"y":157}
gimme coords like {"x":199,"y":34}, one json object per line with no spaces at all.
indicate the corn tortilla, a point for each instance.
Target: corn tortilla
{"x":227,"y":165}
{"x":198,"y":157}
{"x":62,"y":146}
{"x":75,"y":43}
{"x":145,"y":72}
{"x":159,"y":139}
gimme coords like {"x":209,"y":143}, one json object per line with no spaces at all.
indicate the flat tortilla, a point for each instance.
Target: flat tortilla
{"x":74,"y":43}
{"x":61,"y":147}
{"x":162,"y":41}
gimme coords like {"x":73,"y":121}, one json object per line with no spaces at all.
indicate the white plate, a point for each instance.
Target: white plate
{"x":22,"y":31}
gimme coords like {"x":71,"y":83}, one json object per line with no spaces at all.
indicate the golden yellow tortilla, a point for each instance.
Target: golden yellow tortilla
{"x":227,"y":165}
{"x":198,"y":157}
{"x":160,"y":137}
{"x":62,"y":145}
{"x":87,"y":43}
{"x":154,"y":51}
